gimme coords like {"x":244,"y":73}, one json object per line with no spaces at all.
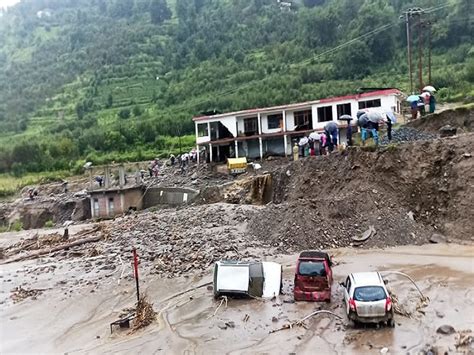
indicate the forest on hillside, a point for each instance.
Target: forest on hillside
{"x":121,"y":79}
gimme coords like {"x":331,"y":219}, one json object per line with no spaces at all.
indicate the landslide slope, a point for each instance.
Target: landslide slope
{"x":325,"y":201}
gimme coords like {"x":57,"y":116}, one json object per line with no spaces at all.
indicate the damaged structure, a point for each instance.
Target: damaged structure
{"x":260,"y":132}
{"x":113,"y":199}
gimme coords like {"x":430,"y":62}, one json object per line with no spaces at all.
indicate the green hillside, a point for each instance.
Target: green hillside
{"x":120,"y":79}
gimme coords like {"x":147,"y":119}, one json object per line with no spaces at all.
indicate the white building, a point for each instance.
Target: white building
{"x":259,"y":132}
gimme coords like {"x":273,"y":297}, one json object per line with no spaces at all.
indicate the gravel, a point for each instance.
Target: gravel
{"x":408,"y":134}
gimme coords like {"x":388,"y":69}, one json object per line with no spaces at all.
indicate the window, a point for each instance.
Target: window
{"x":343,"y":109}
{"x":312,"y":268}
{"x":111,"y":206}
{"x":203,"y":130}
{"x":250,"y":125}
{"x":324,"y":113}
{"x":96,"y":207}
{"x":274,"y":121}
{"x":370,"y":103}
{"x":369,"y":293}
{"x":303,"y":120}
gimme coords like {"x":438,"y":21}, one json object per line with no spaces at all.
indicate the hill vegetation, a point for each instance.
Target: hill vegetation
{"x":118,"y":80}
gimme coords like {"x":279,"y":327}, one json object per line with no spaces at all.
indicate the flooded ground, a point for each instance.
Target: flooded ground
{"x":72,"y":313}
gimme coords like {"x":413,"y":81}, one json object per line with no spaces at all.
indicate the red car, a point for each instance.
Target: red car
{"x":313,"y":277}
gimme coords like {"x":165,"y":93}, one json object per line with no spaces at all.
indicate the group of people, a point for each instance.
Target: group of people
{"x":425,"y":104}
{"x":327,"y":141}
{"x":317,"y":143}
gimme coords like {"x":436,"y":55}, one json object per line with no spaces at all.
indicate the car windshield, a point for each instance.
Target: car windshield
{"x":312,"y":268}
{"x":369,"y":294}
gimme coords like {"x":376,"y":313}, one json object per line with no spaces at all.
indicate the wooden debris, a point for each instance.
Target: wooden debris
{"x":145,"y":314}
{"x":300,"y":322}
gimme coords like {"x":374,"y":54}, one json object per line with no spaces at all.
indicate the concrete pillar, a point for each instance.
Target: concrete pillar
{"x":121,"y":171}
{"x":91,"y":181}
{"x":236,"y":149}
{"x":259,"y":124}
{"x":218,"y":153}
{"x":284,"y":122}
{"x":210,"y":152}
{"x":285,"y":142}
{"x":198,"y":155}
{"x":106,"y":177}
{"x":334,"y":113}
{"x":261,"y":147}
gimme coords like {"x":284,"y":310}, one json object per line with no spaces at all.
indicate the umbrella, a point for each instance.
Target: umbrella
{"x":303,"y":141}
{"x":387,"y":113}
{"x":362,"y":120}
{"x":360,"y":113}
{"x":315,"y":136}
{"x":375,"y":116}
{"x":429,"y":88}
{"x":412,"y":98}
{"x":425,"y":94}
{"x":391,"y":116}
{"x":345,"y":118}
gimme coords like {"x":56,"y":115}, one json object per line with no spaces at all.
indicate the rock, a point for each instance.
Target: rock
{"x":384,"y":350}
{"x":194,"y":176}
{"x":447,"y":131}
{"x":411,"y":215}
{"x":437,"y":238}
{"x":445,"y":329}
{"x":439,"y":314}
{"x":274,"y":319}
{"x":467,"y":155}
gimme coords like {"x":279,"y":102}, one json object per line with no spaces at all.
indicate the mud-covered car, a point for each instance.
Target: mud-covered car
{"x":313,"y":277}
{"x":367,"y":300}
{"x":254,"y":279}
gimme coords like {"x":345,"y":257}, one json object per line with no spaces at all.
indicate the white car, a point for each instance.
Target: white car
{"x":367,"y":300}
{"x":256,"y":279}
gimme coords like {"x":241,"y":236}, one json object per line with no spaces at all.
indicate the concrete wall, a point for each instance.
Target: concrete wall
{"x":122,"y":201}
{"x":168,"y":196}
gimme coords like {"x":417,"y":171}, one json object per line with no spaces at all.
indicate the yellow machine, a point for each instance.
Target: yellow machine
{"x":237,"y":165}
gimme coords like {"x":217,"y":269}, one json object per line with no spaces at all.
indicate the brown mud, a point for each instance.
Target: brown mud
{"x":75,"y":319}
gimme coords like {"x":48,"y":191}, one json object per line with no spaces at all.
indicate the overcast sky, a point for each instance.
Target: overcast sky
{"x":6,"y":3}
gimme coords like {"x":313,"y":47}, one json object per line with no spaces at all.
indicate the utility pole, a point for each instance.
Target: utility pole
{"x":409,"y":14}
{"x":429,"y":52}
{"x":420,"y":52}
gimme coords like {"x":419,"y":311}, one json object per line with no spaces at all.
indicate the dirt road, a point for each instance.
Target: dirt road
{"x":76,"y":319}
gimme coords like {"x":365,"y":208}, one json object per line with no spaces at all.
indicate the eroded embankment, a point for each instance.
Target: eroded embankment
{"x":407,"y":192}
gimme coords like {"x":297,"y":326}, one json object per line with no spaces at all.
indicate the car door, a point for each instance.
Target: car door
{"x":347,"y":289}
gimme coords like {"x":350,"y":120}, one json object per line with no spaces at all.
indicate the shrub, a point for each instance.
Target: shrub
{"x":49,"y":224}
{"x":17,"y":226}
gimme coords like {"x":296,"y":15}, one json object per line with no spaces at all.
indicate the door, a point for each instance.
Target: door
{"x":347,"y":294}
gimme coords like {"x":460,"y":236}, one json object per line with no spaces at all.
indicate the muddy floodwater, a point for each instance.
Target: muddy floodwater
{"x":72,"y":313}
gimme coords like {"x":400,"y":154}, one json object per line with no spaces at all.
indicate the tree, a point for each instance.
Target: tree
{"x":110,"y":101}
{"x":159,"y":11}
{"x":124,"y":113}
{"x":313,"y":3}
{"x":137,"y":111}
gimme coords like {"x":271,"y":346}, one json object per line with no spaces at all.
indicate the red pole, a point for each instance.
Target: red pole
{"x":135,"y":269}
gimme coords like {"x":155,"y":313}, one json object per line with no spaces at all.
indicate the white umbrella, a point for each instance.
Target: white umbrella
{"x":303,"y":141}
{"x":375,"y":116}
{"x":429,"y":88}
{"x":315,"y":136}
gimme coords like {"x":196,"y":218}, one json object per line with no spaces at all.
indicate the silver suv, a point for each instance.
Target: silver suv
{"x":367,"y":300}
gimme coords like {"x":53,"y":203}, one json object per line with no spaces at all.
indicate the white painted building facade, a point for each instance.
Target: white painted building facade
{"x":256,"y":133}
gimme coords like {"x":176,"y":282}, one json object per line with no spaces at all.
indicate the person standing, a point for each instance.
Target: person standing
{"x":332,"y":133}
{"x":432,"y":103}
{"x":296,"y":152}
{"x":414,"y":109}
{"x":363,"y":123}
{"x":349,"y":134}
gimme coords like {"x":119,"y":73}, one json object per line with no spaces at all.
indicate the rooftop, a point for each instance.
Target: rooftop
{"x":367,"y":278}
{"x":381,"y":92}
